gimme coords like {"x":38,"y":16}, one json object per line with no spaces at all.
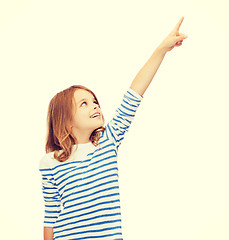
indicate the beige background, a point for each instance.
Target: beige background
{"x":174,"y":160}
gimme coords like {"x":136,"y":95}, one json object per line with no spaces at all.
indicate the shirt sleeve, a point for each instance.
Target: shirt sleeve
{"x":123,"y":117}
{"x":52,"y":203}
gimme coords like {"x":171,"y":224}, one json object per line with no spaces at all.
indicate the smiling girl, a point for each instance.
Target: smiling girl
{"x":79,"y":170}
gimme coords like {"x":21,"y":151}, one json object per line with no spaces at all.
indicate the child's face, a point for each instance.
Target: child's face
{"x":85,"y":107}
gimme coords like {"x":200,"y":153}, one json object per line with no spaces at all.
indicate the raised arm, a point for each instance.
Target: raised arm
{"x":148,"y":71}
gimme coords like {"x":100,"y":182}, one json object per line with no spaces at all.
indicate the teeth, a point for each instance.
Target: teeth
{"x":96,"y":115}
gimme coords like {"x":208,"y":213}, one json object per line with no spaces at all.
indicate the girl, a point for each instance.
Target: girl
{"x":79,"y":170}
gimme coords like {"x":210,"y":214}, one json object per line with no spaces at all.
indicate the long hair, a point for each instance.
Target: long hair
{"x":59,"y":118}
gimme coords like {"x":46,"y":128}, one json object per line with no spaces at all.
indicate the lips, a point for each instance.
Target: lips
{"x":97,"y":113}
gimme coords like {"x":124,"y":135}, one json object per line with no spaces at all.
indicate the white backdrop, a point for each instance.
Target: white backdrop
{"x":173,"y":162}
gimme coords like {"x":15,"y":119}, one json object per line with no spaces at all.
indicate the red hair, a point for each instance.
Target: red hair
{"x":59,"y":118}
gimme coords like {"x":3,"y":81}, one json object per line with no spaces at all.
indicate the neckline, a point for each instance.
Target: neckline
{"x":83,"y":144}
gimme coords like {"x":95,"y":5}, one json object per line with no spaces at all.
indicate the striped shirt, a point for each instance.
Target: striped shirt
{"x":81,"y":195}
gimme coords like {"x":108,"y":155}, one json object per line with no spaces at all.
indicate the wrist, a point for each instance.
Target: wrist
{"x":161,"y":49}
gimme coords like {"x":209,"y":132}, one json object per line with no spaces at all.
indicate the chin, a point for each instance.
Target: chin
{"x":101,"y":125}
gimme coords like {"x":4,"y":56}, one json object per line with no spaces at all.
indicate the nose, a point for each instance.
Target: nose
{"x":96,"y":108}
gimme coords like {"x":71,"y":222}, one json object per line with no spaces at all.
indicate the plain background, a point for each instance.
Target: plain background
{"x":173,"y":162}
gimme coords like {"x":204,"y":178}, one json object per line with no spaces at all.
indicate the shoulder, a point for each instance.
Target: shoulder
{"x":46,"y":161}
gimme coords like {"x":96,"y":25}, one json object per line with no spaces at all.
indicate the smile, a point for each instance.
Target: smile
{"x":97,"y":114}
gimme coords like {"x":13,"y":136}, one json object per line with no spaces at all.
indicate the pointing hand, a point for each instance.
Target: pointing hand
{"x":174,"y":39}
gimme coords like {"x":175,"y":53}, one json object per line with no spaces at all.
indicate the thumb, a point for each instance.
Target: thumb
{"x":181,"y":37}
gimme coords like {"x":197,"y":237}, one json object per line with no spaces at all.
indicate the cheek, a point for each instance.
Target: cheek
{"x":81,"y":116}
{"x":77,"y":119}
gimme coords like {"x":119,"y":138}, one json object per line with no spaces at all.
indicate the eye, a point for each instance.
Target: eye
{"x":86,"y":102}
{"x":83,"y":103}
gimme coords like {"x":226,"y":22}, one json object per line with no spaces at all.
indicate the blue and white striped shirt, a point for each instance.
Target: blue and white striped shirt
{"x":81,"y":195}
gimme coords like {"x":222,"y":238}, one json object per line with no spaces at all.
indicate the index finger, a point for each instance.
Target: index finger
{"x":178,"y":24}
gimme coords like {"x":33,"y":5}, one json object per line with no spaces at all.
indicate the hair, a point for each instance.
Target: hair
{"x":59,"y":118}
